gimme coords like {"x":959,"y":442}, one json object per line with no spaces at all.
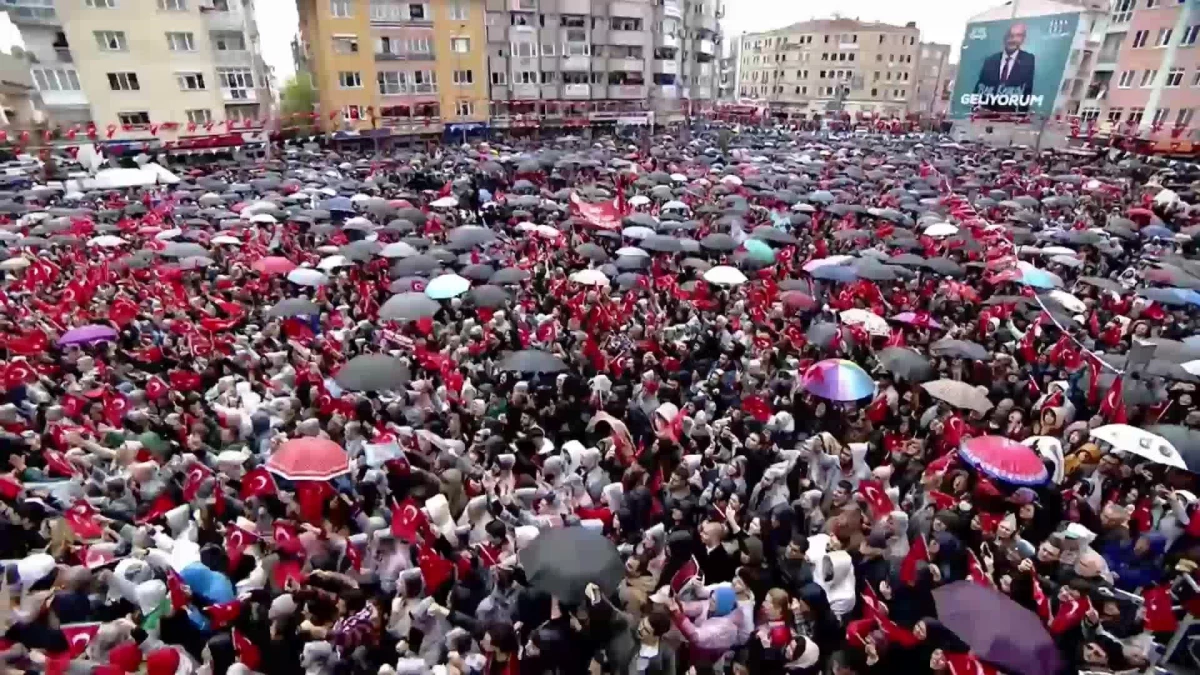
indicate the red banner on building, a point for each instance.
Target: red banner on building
{"x":604,"y":216}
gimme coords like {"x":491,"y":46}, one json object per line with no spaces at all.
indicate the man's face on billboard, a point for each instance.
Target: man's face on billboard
{"x":1014,"y":38}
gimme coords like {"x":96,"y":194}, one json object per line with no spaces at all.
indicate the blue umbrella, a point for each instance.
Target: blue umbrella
{"x":338,"y":204}
{"x":1031,"y":276}
{"x":209,"y":585}
{"x":839,"y":273}
{"x":447,"y":286}
{"x":1171,"y":296}
{"x":759,"y":250}
{"x":1157,"y":231}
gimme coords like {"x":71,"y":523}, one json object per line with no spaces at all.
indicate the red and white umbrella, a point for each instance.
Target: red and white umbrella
{"x":309,"y":459}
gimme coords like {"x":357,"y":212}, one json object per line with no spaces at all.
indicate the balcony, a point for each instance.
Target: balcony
{"x":232,"y":57}
{"x":576,"y":63}
{"x":665,"y":90}
{"x":63,"y":54}
{"x":627,"y":65}
{"x":668,"y":41}
{"x":577,"y":91}
{"x":225,"y":20}
{"x":501,"y":92}
{"x":239,"y":95}
{"x":708,"y":23}
{"x":706,"y":47}
{"x":32,"y":13}
{"x":63,"y":99}
{"x":672,"y":8}
{"x":628,"y":38}
{"x":575,"y":7}
{"x":627,"y":91}
{"x":497,"y":33}
{"x":549,"y":92}
{"x":524,"y":91}
{"x":666,"y":67}
{"x":1107,"y":59}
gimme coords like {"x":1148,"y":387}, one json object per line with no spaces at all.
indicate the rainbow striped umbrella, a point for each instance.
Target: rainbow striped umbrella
{"x":838,"y":380}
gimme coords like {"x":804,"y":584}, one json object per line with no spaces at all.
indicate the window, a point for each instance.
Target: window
{"x":1148,"y":77}
{"x":464,"y":108}
{"x":462,"y":45}
{"x":464,"y":77}
{"x":548,"y":50}
{"x":221,"y":5}
{"x":173,"y":5}
{"x":1114,"y":115}
{"x":1140,"y":37}
{"x":1164,"y":37}
{"x":420,"y":45}
{"x":353,"y":112}
{"x":523,"y":49}
{"x":56,"y":79}
{"x":349,"y":79}
{"x":228,"y":41}
{"x":1151,"y":4}
{"x":1160,"y":116}
{"x":1174,"y":77}
{"x":123,"y":82}
{"x":391,"y":82}
{"x":418,"y":11}
{"x":345,"y":44}
{"x":111,"y":40}
{"x":500,"y":79}
{"x":100,"y":4}
{"x":1126,"y":80}
{"x":133,"y":119}
{"x":199,"y":116}
{"x":238,"y":79}
{"x":1089,"y":114}
{"x":1190,"y":35}
{"x":458,"y":10}
{"x":190,"y":81}
{"x":525,"y":77}
{"x":1135,"y":115}
{"x":340,"y":8}
{"x":1183,"y":118}
{"x":424,"y":81}
{"x":181,"y":42}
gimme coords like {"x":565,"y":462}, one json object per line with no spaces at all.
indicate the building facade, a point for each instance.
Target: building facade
{"x":729,"y":69}
{"x":145,"y":68}
{"x":408,"y":67}
{"x":828,"y":65}
{"x":933,"y":73}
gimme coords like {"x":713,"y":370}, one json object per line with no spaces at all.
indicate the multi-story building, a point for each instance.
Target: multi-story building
{"x":1147,"y":70}
{"x":145,"y":69}
{"x":402,"y":67}
{"x":729,"y":68}
{"x":933,"y":71}
{"x":832,"y":65}
{"x":601,"y":60}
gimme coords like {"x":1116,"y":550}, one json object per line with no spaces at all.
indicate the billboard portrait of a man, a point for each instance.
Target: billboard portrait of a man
{"x":1008,"y":74}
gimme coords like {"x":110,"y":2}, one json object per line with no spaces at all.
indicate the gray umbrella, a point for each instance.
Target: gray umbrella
{"x":407,"y":284}
{"x":293,"y":307}
{"x":772,"y":234}
{"x":400,"y":226}
{"x":962,"y":349}
{"x":409,"y":306}
{"x":627,"y":280}
{"x":509,"y":275}
{"x":488,"y":296}
{"x":661,"y":244}
{"x":944,"y":266}
{"x":469,"y":236}
{"x":905,"y":364}
{"x":361,"y":251}
{"x":532,"y":361}
{"x":183,"y":250}
{"x":592,"y":252}
{"x":372,"y":372}
{"x":417,"y":264}
{"x":822,"y":334}
{"x":718,"y":242}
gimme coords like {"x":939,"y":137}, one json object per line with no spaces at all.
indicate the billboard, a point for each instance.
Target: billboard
{"x":1013,"y":65}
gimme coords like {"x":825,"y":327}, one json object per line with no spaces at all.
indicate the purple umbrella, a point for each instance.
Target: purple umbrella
{"x":89,"y":333}
{"x":997,"y":629}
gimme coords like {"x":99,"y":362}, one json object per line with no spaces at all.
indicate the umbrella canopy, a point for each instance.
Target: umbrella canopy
{"x":87,"y":334}
{"x":905,"y":364}
{"x":309,"y":459}
{"x":488,"y":296}
{"x":409,"y":306}
{"x":959,"y":395}
{"x":272,"y":265}
{"x":447,"y":286}
{"x":306,"y":276}
{"x":532,"y":361}
{"x":1135,"y":441}
{"x":838,"y":380}
{"x":563,"y":561}
{"x":590,"y":278}
{"x":1004,"y":459}
{"x":870,"y":322}
{"x":372,"y":372}
{"x":723,"y":275}
{"x":1186,"y":442}
{"x":962,"y":349}
{"x":293,"y":307}
{"x":997,"y":629}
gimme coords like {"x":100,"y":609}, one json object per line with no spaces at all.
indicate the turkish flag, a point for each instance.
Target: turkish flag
{"x":685,"y":574}
{"x":177,"y":590}
{"x":158,"y":508}
{"x":184,"y":380}
{"x":287,"y":538}
{"x":917,"y":552}
{"x":976,"y":571}
{"x":1069,"y":614}
{"x":246,"y":652}
{"x":1160,"y":617}
{"x":10,"y":487}
{"x":409,"y":523}
{"x":895,"y":633}
{"x":81,"y":518}
{"x":435,"y":569}
{"x":354,"y":556}
{"x":79,"y":636}
{"x":287,"y":570}
{"x":876,"y":497}
{"x":1113,"y":405}
{"x":93,"y":557}
{"x":1040,"y":601}
{"x":224,"y":613}
{"x":18,"y":373}
{"x":197,"y":473}
{"x":237,"y":541}
{"x":941,"y":500}
{"x":871,"y":605}
{"x":258,"y":482}
{"x":878,"y":409}
{"x":115,"y":405}
{"x":156,"y":389}
{"x":311,"y":496}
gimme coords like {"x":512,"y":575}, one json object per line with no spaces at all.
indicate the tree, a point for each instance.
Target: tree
{"x":298,"y":96}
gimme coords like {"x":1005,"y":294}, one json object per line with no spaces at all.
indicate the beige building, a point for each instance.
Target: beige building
{"x":933,"y":74}
{"x":827,"y":65}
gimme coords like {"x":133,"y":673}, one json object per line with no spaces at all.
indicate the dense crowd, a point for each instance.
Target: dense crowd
{"x":816,"y":404}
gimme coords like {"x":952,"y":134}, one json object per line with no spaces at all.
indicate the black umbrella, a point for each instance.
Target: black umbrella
{"x":477,"y":272}
{"x":944,"y":266}
{"x":372,"y":372}
{"x":470,"y":236}
{"x":509,"y":275}
{"x":718,"y":242}
{"x":905,"y":364}
{"x":772,"y":234}
{"x":592,"y":252}
{"x":962,"y":349}
{"x":1102,"y":283}
{"x":563,"y":561}
{"x":661,"y":244}
{"x":409,"y":306}
{"x":532,"y":361}
{"x":488,"y":296}
{"x":417,"y":264}
{"x":1185,"y":440}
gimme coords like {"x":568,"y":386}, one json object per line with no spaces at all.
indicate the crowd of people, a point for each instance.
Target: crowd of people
{"x":804,"y":403}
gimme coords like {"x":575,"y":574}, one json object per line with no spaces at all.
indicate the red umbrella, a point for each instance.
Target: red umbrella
{"x":1141,"y":216}
{"x":309,"y":459}
{"x":1004,"y":459}
{"x":273,"y":265}
{"x":798,"y":300}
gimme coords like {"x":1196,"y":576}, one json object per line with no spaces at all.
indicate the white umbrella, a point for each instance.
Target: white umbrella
{"x":447,"y":202}
{"x":1067,"y":261}
{"x":264,"y":218}
{"x":307,"y":276}
{"x":358,"y":222}
{"x":1135,"y":441}
{"x":804,"y":208}
{"x":1068,"y":301}
{"x":632,"y":251}
{"x":822,"y":262}
{"x":1049,"y":448}
{"x":1055,"y":250}
{"x":731,"y":180}
{"x":253,"y":207}
{"x":447,"y":286}
{"x":225,"y":239}
{"x":526,"y":227}
{"x":941,"y":230}
{"x":725,"y":275}
{"x":399,"y":249}
{"x":679,"y":178}
{"x":637,"y":232}
{"x":334,"y":262}
{"x":107,"y":241}
{"x":360,"y":197}
{"x":168,"y":235}
{"x":639,"y":200}
{"x":590,"y":278}
{"x":675,"y":204}
{"x":547,"y":232}
{"x":871,"y":322}
{"x":14,"y":264}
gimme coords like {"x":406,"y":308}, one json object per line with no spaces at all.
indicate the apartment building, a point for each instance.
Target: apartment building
{"x":729,"y":69}
{"x":392,"y":67}
{"x":145,"y":69}
{"x":837,"y":64}
{"x":600,"y":60}
{"x":1147,"y":71}
{"x":933,"y":74}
